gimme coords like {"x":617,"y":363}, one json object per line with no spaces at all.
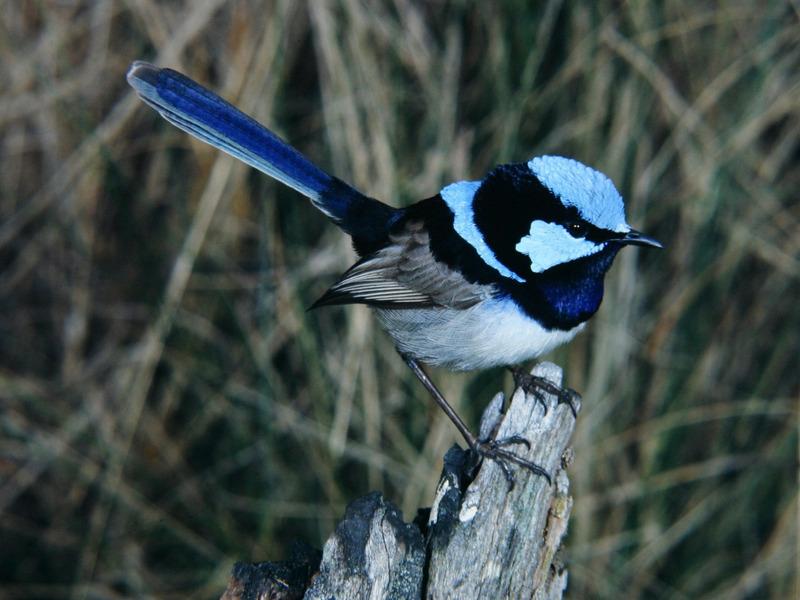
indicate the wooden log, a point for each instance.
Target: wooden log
{"x":481,"y":538}
{"x":372,"y":554}
{"x":280,"y":580}
{"x":490,"y":541}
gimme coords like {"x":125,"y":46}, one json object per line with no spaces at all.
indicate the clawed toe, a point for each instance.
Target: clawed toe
{"x":511,"y":440}
{"x":567,"y":396}
{"x":492,"y":449}
{"x":533,"y":385}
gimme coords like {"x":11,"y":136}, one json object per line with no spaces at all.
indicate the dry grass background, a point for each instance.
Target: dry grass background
{"x":169,"y":406}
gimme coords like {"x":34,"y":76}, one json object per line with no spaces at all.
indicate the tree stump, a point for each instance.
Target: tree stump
{"x":481,"y":538}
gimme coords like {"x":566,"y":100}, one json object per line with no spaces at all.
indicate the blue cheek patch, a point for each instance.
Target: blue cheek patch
{"x":458,"y":197}
{"x":549,"y":245}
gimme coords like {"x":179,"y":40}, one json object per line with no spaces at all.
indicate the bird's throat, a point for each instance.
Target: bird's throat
{"x":568,"y":295}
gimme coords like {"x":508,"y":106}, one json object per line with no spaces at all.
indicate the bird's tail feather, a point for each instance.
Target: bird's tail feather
{"x":200,"y":112}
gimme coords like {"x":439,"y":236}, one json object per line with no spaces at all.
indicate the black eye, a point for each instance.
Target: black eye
{"x":576,"y":229}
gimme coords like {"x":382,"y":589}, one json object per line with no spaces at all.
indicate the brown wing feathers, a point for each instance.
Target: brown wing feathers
{"x":404,"y":274}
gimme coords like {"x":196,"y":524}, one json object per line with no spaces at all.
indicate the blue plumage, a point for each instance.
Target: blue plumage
{"x":589,"y":191}
{"x":208,"y":117}
{"x":459,"y":197}
{"x":489,"y":272}
{"x":549,"y":245}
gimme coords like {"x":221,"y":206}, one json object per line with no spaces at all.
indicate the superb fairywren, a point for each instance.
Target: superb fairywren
{"x":484,"y":273}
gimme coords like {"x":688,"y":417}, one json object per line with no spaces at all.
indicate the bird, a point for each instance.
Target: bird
{"x":484,"y":273}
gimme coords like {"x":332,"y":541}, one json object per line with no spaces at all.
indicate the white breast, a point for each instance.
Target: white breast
{"x":492,"y":333}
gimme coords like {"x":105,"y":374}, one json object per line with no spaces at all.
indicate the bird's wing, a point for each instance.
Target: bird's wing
{"x":405,"y":274}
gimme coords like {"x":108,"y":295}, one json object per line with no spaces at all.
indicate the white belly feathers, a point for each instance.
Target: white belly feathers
{"x":492,"y":333}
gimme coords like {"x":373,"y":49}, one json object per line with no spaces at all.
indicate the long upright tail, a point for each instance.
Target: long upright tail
{"x":200,"y":112}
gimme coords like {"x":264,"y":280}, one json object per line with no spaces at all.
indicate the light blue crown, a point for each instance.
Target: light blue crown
{"x":589,"y":191}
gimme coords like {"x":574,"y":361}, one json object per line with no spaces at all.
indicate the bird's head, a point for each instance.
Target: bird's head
{"x":528,"y":218}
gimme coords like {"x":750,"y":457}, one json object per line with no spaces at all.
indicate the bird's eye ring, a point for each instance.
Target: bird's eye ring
{"x":576,"y":229}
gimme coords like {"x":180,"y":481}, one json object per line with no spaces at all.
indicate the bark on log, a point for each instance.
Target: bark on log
{"x":480,"y":539}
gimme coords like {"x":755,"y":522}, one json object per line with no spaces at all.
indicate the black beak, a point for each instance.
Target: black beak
{"x":635,"y":238}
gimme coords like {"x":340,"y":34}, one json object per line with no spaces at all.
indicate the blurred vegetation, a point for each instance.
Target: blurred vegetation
{"x":169,"y":406}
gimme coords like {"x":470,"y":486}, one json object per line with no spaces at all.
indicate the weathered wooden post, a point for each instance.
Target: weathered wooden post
{"x":479,"y":539}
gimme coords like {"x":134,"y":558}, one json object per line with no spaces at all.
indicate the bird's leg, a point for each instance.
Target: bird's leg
{"x":491,"y":449}
{"x":531,"y":384}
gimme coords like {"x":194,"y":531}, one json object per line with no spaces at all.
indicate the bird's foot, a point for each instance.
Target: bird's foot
{"x":534,"y":385}
{"x":495,"y":450}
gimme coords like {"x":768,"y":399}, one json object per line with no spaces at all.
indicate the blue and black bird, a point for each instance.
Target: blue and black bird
{"x":484,"y":273}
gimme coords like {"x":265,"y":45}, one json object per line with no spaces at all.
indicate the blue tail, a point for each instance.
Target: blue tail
{"x":198,"y":111}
